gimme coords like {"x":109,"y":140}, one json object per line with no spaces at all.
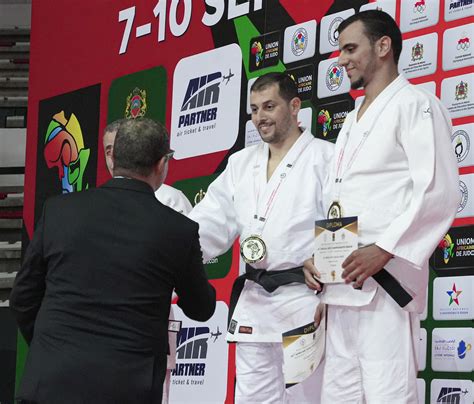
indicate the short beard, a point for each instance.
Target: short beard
{"x":357,"y":84}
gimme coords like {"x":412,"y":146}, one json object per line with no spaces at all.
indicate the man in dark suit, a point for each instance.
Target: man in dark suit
{"x":93,"y":295}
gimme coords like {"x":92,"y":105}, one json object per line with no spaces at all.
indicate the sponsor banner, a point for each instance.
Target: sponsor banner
{"x":330,"y":118}
{"x":195,"y":189}
{"x":422,"y":350}
{"x":136,"y":95}
{"x":421,"y":389}
{"x":455,"y":9}
{"x":389,"y":6}
{"x":329,"y":37}
{"x":455,"y":250}
{"x":458,"y":49}
{"x":417,"y":14}
{"x":202,"y":353}
{"x":451,"y":349}
{"x":265,"y":51}
{"x":418,"y":57}
{"x":68,"y":127}
{"x":453,"y":298}
{"x":252,"y":137}
{"x":304,"y":79}
{"x":451,"y":391}
{"x":456,"y":94}
{"x":429,"y":86}
{"x":299,"y":42}
{"x":332,"y":79}
{"x":462,"y":142}
{"x":466,"y":188}
{"x":249,"y":86}
{"x":206,"y":102}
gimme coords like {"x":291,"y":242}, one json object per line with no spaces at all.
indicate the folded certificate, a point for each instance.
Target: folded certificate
{"x":303,"y":350}
{"x":335,"y":240}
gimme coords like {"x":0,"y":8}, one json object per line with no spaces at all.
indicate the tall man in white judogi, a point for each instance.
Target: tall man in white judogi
{"x":269,"y":195}
{"x":393,"y":169}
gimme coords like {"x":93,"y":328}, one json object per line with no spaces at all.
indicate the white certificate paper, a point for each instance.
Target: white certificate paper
{"x":335,"y":239}
{"x":303,"y":350}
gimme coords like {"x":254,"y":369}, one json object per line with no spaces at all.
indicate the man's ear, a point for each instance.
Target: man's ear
{"x":295,"y":105}
{"x":384,"y":46}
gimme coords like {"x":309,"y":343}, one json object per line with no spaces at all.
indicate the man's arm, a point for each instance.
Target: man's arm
{"x":29,"y":287}
{"x":197,"y":297}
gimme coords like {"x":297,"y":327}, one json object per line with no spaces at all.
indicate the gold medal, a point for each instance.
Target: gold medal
{"x":253,"y":249}
{"x":335,"y":211}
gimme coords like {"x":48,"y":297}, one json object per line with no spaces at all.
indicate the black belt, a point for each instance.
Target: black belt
{"x":393,"y":288}
{"x":268,"y":280}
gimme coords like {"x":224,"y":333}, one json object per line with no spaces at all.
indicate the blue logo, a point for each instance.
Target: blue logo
{"x":463,"y":348}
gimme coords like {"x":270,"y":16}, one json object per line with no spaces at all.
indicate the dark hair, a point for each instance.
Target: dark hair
{"x":376,"y":25}
{"x":140,"y":143}
{"x":286,"y":85}
{"x":114,"y":126}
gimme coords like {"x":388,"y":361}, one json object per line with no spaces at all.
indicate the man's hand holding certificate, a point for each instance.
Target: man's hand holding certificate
{"x":335,"y":240}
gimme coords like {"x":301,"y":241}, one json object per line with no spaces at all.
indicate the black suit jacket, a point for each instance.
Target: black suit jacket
{"x":93,"y":295}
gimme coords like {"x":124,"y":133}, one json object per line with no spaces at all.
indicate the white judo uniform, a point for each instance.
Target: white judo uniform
{"x":400,"y":178}
{"x":176,"y":200}
{"x":227,"y":212}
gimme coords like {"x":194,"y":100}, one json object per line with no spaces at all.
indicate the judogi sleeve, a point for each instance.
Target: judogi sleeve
{"x":216,"y":216}
{"x":29,"y":286}
{"x":426,"y":139}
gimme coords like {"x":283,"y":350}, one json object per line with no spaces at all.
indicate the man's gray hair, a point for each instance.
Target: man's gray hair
{"x":113,"y":127}
{"x":139,"y":145}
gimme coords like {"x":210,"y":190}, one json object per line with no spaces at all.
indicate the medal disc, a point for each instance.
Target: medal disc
{"x":253,"y":249}
{"x":335,"y":211}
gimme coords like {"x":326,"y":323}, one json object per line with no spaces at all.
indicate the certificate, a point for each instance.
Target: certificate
{"x":335,"y":239}
{"x":303,"y":350}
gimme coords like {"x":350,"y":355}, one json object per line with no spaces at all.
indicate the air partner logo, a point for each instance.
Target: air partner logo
{"x":451,"y":391}
{"x":299,"y":42}
{"x":451,"y":395}
{"x":206,"y":102}
{"x":135,"y":105}
{"x":64,"y":149}
{"x":201,"y":356}
{"x":455,"y":9}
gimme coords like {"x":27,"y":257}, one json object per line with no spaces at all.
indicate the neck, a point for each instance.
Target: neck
{"x":279,"y":150}
{"x":120,"y":172}
{"x":383,"y":77}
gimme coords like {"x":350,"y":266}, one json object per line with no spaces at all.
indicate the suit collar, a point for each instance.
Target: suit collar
{"x":130,"y":184}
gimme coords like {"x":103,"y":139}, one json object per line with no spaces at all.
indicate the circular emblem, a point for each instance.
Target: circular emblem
{"x":419,"y":6}
{"x":333,"y":34}
{"x":334,"y":76}
{"x":464,"y":196}
{"x":463,"y":43}
{"x":253,"y":249}
{"x":299,"y":41}
{"x":461,"y":144}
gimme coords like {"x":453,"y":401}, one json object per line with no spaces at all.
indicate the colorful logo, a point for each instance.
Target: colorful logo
{"x":299,"y":41}
{"x":463,"y":349}
{"x":136,"y":104}
{"x":333,"y":33}
{"x":461,"y":143}
{"x":454,"y":295}
{"x":257,"y":51}
{"x":447,"y":246}
{"x":463,"y":43}
{"x":334,"y":76}
{"x":324,"y":119}
{"x":64,"y":148}
{"x":417,"y":52}
{"x":461,"y":91}
{"x":419,"y":6}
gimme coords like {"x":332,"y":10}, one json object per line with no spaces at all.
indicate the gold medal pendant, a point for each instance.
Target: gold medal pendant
{"x":335,"y":211}
{"x":253,"y":249}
